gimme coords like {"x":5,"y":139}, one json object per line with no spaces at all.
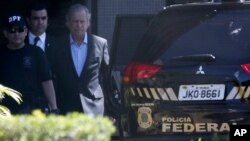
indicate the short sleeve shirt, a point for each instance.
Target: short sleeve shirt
{"x":24,"y":70}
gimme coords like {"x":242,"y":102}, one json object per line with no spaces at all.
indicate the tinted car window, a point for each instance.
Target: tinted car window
{"x":210,"y":30}
{"x":127,"y":34}
{"x":222,"y":35}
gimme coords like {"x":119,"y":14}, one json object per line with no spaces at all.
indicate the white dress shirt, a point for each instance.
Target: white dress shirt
{"x":40,"y":43}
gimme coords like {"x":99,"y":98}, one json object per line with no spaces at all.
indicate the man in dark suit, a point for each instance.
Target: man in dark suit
{"x":37,"y":19}
{"x":82,"y":60}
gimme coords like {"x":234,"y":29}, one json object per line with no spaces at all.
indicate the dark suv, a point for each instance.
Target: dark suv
{"x":189,"y":76}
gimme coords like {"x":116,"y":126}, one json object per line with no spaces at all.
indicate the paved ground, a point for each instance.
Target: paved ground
{"x":177,"y":138}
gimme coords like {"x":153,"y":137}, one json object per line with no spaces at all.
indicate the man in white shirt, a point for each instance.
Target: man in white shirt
{"x":37,"y":20}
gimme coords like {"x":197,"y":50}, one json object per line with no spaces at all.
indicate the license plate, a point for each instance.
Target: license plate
{"x":201,"y":92}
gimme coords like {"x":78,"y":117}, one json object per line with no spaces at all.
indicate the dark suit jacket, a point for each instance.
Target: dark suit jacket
{"x":89,"y":83}
{"x":50,"y":48}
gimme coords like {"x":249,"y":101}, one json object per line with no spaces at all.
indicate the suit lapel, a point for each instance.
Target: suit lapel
{"x":47,"y":43}
{"x":68,"y":56}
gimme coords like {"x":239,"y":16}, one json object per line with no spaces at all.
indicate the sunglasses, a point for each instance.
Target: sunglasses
{"x":15,"y":30}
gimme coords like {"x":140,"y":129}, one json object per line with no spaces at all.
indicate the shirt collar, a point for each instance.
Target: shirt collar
{"x":42,"y":37}
{"x":85,"y":40}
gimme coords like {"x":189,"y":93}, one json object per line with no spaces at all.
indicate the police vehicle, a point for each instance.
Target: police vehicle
{"x":188,"y":78}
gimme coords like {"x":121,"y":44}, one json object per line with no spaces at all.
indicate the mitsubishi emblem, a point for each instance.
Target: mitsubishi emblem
{"x":200,"y":71}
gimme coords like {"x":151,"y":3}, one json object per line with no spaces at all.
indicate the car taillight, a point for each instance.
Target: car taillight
{"x":136,"y":71}
{"x":246,"y":67}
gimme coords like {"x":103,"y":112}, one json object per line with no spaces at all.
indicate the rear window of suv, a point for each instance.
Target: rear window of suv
{"x":220,"y":32}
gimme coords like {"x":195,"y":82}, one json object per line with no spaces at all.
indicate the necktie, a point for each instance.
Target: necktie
{"x":36,"y":39}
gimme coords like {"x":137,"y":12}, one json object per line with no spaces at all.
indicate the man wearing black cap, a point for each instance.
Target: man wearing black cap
{"x":25,"y":69}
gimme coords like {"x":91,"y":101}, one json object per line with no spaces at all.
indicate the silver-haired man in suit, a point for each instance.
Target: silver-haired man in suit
{"x":82,"y":59}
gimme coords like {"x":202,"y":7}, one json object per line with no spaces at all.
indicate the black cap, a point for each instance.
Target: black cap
{"x":15,"y":20}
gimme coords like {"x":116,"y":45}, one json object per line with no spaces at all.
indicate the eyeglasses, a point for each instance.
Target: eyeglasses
{"x":15,"y":30}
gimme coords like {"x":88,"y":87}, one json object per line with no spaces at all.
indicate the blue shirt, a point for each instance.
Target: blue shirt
{"x":79,"y":53}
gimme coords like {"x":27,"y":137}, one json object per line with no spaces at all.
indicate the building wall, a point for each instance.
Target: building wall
{"x":108,"y":9}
